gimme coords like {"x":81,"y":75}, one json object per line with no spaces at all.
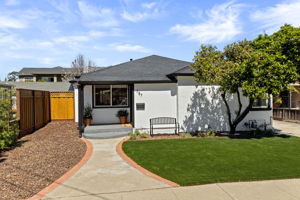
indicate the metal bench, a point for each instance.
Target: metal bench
{"x":164,"y":121}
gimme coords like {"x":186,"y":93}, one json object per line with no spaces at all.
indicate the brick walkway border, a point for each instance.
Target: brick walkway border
{"x":140,"y":168}
{"x":86,"y":157}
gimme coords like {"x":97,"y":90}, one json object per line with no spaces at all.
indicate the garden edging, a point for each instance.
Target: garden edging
{"x":122,"y":154}
{"x":68,"y":174}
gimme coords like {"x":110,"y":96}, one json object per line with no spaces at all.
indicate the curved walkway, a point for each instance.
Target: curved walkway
{"x":107,"y":177}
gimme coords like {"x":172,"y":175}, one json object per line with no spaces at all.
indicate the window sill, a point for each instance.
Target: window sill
{"x":260,"y":109}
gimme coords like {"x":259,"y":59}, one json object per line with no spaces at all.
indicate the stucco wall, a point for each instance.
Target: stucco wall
{"x":201,"y":107}
{"x":159,"y":99}
{"x":101,"y":115}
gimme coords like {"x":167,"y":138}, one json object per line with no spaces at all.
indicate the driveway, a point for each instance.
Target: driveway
{"x":106,"y":176}
{"x":291,"y":128}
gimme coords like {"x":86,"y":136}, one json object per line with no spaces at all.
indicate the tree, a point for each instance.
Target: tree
{"x":242,"y":69}
{"x":79,"y":66}
{"x":12,"y":76}
{"x":285,"y":44}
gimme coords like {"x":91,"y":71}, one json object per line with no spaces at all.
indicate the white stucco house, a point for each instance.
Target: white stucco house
{"x":156,"y":86}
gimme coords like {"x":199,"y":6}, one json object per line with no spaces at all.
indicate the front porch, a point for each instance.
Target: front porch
{"x":107,"y":131}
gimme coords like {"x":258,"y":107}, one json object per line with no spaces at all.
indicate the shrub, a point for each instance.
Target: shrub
{"x":195,"y":133}
{"x":137,"y":132}
{"x":211,"y":133}
{"x":132,"y":136}
{"x":9,"y":129}
{"x":186,"y":135}
{"x":144,"y":135}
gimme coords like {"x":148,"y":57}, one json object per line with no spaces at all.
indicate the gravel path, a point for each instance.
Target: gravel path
{"x":39,"y":159}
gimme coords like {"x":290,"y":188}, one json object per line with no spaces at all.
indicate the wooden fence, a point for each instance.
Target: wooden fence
{"x":62,"y":105}
{"x":33,"y":109}
{"x":286,"y":114}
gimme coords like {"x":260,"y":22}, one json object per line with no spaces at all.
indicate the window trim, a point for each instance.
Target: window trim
{"x":263,"y":108}
{"x":109,"y":106}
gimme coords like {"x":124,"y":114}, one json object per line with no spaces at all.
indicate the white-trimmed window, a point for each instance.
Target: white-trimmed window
{"x":110,"y":95}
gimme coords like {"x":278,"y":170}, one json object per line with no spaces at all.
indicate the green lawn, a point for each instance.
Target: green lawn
{"x":209,"y":160}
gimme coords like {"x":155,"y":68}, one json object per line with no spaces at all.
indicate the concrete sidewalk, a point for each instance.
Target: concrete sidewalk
{"x":106,"y":176}
{"x":291,"y":128}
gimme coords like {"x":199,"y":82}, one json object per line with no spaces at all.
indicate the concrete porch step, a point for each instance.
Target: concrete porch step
{"x":106,"y":131}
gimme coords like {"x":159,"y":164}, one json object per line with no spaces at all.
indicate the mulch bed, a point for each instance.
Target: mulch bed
{"x":39,"y":159}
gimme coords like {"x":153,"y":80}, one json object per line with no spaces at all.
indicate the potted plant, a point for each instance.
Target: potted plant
{"x":88,"y":115}
{"x":122,"y":114}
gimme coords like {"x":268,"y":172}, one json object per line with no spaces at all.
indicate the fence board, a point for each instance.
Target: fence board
{"x":286,"y":114}
{"x":62,"y":105}
{"x":32,"y":109}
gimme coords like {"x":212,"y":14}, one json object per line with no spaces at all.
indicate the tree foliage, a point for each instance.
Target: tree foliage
{"x":8,"y":124}
{"x":242,"y":66}
{"x":285,"y":44}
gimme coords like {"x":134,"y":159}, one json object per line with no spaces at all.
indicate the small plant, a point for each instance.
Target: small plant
{"x":186,"y":135}
{"x":122,"y":113}
{"x":144,"y":135}
{"x":88,"y":112}
{"x":137,"y":132}
{"x":195,"y":133}
{"x":211,"y":133}
{"x":132,"y":136}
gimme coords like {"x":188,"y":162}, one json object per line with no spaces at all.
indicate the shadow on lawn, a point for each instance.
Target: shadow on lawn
{"x":258,"y":136}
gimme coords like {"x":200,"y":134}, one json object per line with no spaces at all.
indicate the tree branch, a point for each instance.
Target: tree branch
{"x":239,"y":101}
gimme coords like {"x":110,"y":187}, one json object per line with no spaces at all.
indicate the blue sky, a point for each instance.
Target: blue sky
{"x":48,"y":33}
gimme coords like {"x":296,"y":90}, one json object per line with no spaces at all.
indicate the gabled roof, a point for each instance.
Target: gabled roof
{"x":184,"y":71}
{"x":55,"y":70}
{"x":148,"y":69}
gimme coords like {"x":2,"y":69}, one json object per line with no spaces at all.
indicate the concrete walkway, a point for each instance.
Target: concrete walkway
{"x":106,"y":176}
{"x":291,"y":128}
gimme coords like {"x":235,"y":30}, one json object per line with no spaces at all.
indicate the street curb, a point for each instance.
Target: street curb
{"x":86,"y":157}
{"x":122,"y":154}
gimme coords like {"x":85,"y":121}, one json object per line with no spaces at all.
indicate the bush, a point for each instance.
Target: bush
{"x":186,"y":135}
{"x":138,"y":134}
{"x":211,"y":133}
{"x":8,"y":124}
{"x":144,"y":135}
{"x":122,"y":113}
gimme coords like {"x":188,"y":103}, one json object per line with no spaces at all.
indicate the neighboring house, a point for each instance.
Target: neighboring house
{"x":54,"y":74}
{"x":290,"y":99}
{"x":157,"y":86}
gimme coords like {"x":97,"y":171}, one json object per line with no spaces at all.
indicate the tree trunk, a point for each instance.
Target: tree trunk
{"x":240,"y":114}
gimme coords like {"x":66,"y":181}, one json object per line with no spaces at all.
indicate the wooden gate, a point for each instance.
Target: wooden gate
{"x":62,"y":105}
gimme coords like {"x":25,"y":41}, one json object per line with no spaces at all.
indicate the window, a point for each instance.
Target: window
{"x":110,"y":95}
{"x":261,"y":103}
{"x":47,"y":79}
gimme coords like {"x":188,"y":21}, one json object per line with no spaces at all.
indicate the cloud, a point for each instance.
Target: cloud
{"x":151,"y":10}
{"x":219,"y":24}
{"x":275,"y":16}
{"x":149,"y":5}
{"x":9,"y":22}
{"x":97,"y":16}
{"x":130,"y":47}
{"x":11,"y":2}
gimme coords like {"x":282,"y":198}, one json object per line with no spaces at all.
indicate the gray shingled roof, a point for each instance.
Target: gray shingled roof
{"x":148,"y":69}
{"x":45,"y":86}
{"x":184,"y":71}
{"x":55,"y":70}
